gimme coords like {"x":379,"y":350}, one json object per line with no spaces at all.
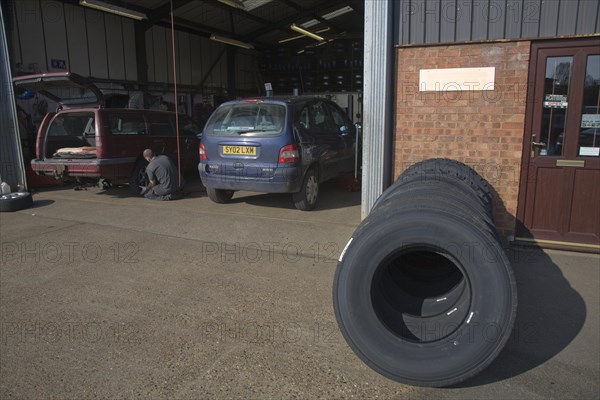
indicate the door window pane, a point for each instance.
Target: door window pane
{"x":589,"y":129}
{"x":555,"y":104}
{"x":162,"y":125}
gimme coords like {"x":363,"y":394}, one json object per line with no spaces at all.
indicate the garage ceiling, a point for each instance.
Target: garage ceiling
{"x":261,"y":23}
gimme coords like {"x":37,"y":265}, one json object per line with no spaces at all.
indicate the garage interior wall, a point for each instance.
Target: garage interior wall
{"x":51,"y":36}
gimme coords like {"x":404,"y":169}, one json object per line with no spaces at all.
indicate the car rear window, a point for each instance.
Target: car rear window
{"x":251,"y":119}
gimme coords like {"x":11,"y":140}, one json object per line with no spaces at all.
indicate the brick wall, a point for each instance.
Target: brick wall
{"x":483,"y":129}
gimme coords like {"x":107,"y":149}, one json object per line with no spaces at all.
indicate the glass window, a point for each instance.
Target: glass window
{"x":338,"y":116}
{"x":72,"y":124}
{"x":252,"y":119}
{"x":162,"y":124}
{"x":187,"y":127}
{"x":554,"y":113}
{"x":589,"y":129}
{"x":128,"y":124}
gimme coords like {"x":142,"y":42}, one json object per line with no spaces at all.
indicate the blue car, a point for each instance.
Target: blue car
{"x":275,"y":145}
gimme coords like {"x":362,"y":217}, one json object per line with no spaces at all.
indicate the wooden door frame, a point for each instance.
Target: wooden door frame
{"x":520,"y":228}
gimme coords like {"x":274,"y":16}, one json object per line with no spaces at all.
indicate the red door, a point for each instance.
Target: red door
{"x":559,"y":200}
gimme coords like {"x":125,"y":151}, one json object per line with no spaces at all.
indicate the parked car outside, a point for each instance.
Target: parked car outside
{"x":275,"y":145}
{"x":83,"y":139}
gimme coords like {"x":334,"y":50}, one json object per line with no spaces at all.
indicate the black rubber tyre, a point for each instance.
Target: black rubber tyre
{"x":219,"y":195}
{"x":429,"y":196}
{"x":15,"y":201}
{"x":138,"y":176}
{"x":392,"y":273}
{"x":443,"y":180}
{"x":451,"y":167}
{"x":306,"y":198}
{"x":446,"y":170}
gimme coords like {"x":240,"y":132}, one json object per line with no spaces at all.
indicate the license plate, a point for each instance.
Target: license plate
{"x":239,"y":150}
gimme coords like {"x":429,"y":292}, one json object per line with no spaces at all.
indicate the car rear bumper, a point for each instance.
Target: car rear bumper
{"x":117,"y":168}
{"x":284,"y":180}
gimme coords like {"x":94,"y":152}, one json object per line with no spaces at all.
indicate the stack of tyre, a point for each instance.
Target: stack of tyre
{"x":424,"y":293}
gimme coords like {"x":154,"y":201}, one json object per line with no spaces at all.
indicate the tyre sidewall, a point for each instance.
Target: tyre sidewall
{"x":301,"y":198}
{"x":135,"y":181}
{"x":21,"y":201}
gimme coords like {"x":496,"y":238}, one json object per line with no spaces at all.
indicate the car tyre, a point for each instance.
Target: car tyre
{"x":15,"y":201}
{"x":138,"y":176}
{"x":219,"y":195}
{"x":306,"y":198}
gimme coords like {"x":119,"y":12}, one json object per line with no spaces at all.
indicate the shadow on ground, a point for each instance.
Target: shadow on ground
{"x":331,"y":196}
{"x":550,"y":313}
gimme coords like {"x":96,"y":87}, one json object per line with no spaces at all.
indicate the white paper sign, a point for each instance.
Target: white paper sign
{"x":589,"y":151}
{"x":590,"y":121}
{"x":456,"y":79}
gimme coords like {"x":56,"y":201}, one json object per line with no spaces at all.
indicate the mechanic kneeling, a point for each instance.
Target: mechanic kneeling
{"x":163,"y":178}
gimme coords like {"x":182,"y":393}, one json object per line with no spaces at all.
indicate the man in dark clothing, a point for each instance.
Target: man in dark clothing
{"x":162,"y":176}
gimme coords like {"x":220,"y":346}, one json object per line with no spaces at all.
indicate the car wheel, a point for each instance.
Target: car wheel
{"x":219,"y":195}
{"x":306,"y":198}
{"x":15,"y":201}
{"x":138,"y":176}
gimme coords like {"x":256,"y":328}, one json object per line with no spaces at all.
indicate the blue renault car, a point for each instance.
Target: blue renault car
{"x":275,"y":145}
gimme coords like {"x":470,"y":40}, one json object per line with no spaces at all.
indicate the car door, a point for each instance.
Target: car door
{"x":188,"y":143}
{"x":163,"y":137}
{"x":347,"y":132}
{"x":319,"y":138}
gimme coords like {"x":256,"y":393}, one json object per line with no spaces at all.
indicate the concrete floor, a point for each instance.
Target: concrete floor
{"x":104,"y":294}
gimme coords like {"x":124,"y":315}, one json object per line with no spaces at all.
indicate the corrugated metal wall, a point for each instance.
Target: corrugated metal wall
{"x":449,"y":21}
{"x":51,"y":36}
{"x":11,"y":159}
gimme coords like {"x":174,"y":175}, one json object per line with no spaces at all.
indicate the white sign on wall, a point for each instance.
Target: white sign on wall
{"x":456,"y":79}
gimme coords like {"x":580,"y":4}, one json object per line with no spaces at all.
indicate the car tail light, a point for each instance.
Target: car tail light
{"x":202,"y":152}
{"x":289,"y":154}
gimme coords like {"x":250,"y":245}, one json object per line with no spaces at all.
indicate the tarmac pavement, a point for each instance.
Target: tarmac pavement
{"x":107,"y":294}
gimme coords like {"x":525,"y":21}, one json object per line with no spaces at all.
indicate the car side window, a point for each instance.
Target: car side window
{"x":162,"y":125}
{"x":338,"y":116}
{"x":316,"y":118}
{"x":320,"y":119}
{"x":304,"y":118}
{"x":127,"y":124}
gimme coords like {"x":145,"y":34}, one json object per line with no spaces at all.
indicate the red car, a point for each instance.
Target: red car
{"x":83,"y":139}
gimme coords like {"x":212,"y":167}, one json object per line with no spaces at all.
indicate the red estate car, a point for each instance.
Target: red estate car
{"x":84,"y":139}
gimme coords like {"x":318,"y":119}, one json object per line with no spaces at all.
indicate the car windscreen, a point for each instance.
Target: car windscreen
{"x":249,"y":119}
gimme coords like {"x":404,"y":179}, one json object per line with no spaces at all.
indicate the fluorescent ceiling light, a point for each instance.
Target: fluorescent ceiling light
{"x":230,"y":41}
{"x":337,"y":13}
{"x":252,"y":4}
{"x":233,"y":3}
{"x":111,"y":8}
{"x":296,"y":28}
{"x":301,"y":36}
